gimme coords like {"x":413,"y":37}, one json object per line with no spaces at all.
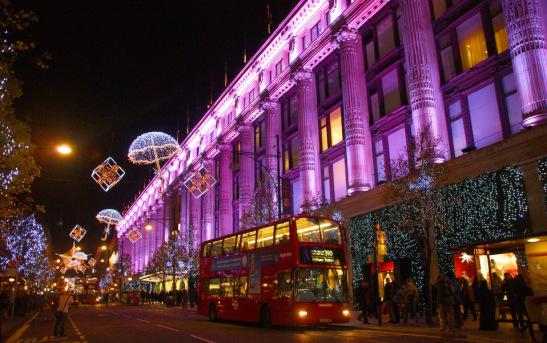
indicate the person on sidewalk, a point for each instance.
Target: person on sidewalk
{"x":468,"y":298}
{"x":410,"y":300}
{"x":61,"y":313}
{"x":520,"y":292}
{"x":445,"y":301}
{"x":364,"y":297}
{"x":390,"y":292}
{"x":456,"y":288}
{"x":487,"y":306}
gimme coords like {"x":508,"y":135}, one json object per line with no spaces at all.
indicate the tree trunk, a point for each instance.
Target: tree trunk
{"x":174,"y":279}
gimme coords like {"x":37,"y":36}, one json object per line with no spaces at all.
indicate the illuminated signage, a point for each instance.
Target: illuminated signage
{"x":322,"y":256}
{"x":315,"y":255}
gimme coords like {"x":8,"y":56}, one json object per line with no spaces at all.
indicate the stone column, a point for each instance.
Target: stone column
{"x":308,"y":130}
{"x":272,"y":137}
{"x":359,"y":159}
{"x":195,"y":221}
{"x":526,"y":34}
{"x":208,"y":203}
{"x":226,"y":190}
{"x":184,"y":204}
{"x":246,"y":169}
{"x":422,"y":76}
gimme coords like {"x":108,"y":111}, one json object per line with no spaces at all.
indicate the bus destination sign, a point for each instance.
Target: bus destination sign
{"x":316,"y":255}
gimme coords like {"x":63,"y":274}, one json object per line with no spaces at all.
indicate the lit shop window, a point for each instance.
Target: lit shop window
{"x":331,"y":127}
{"x":471,"y":42}
{"x":259,"y":135}
{"x":498,"y":24}
{"x":291,"y":153}
{"x":484,"y":115}
{"x":335,"y":181}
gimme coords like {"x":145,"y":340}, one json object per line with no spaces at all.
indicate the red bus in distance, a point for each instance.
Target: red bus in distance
{"x":289,"y":272}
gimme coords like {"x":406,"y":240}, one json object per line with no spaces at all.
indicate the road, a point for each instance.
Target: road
{"x":159,"y":324}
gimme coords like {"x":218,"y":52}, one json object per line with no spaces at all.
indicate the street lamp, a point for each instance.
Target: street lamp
{"x":148,"y":227}
{"x":103,"y":247}
{"x":64,"y":149}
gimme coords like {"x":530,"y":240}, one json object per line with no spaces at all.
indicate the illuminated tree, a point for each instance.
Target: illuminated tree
{"x":262,"y":208}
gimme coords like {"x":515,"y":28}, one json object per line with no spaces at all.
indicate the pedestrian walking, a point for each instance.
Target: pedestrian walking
{"x":445,"y":301}
{"x":61,"y":313}
{"x":520,"y":292}
{"x":390,"y":293}
{"x":487,"y":307}
{"x":410,"y":300}
{"x":468,"y":299}
{"x":364,"y":300}
{"x":456,"y":288}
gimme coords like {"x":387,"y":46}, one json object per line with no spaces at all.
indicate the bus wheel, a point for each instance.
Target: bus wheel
{"x":213,"y":313}
{"x":265,"y":317}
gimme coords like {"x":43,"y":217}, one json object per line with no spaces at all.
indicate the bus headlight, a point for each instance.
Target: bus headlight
{"x":345,"y":313}
{"x":302,"y":313}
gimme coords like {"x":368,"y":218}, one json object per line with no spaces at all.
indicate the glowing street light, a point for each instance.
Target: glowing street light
{"x":64,"y":149}
{"x":103,"y":247}
{"x":78,"y":248}
{"x":148,"y":227}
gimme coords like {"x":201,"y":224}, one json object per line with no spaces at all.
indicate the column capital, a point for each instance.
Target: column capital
{"x":269,"y":104}
{"x":346,"y":35}
{"x":302,"y":74}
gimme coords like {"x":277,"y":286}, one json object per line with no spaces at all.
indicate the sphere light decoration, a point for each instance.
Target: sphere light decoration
{"x":109,"y":217}
{"x":151,"y":148}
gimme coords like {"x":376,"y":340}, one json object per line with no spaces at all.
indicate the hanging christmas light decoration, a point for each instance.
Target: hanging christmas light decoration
{"x":92,"y":262}
{"x":77,"y":233}
{"x":152,"y":148}
{"x":200,"y":182}
{"x":134,"y":235}
{"x":109,"y":217}
{"x":73,"y":259}
{"x":107,"y":174}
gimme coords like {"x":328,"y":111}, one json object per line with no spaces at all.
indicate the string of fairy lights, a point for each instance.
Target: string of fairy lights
{"x":487,"y":207}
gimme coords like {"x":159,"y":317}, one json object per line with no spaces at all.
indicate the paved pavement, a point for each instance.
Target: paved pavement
{"x":159,"y":324}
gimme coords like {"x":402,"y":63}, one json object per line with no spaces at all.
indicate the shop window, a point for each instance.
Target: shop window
{"x":512,"y":103}
{"x":282,"y":233}
{"x":397,"y":145}
{"x":471,"y":42}
{"x":339,"y":179}
{"x":390,"y":89}
{"x":498,"y":24}
{"x":457,"y":128}
{"x":484,"y":115}
{"x":291,"y":153}
{"x":315,"y":31}
{"x":326,"y":184}
{"x":386,"y":36}
{"x":213,"y":287}
{"x":379,"y":161}
{"x":296,"y":192}
{"x":227,"y":287}
{"x":265,"y":237}
{"x":248,"y":240}
{"x":260,"y":129}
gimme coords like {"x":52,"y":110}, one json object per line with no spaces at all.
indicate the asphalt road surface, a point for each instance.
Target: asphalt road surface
{"x":158,"y":324}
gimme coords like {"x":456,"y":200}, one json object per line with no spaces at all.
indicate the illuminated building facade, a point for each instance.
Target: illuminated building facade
{"x":343,"y":87}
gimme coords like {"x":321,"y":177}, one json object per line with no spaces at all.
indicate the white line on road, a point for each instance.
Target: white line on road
{"x":167,"y":327}
{"x":143,"y":320}
{"x":21,"y":330}
{"x":202,"y":339}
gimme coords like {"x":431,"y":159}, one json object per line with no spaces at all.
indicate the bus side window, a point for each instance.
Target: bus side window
{"x":284,"y":289}
{"x":216,"y":249}
{"x":248,"y":240}
{"x":229,"y":244}
{"x":282,"y":233}
{"x":207,"y":250}
{"x":241,"y":287}
{"x":213,"y":286}
{"x":227,"y":287}
{"x":308,"y":230}
{"x":265,"y":237}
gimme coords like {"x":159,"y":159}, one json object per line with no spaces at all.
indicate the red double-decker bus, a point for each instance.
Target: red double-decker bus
{"x":289,"y":272}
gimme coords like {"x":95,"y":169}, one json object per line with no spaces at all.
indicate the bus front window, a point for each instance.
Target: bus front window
{"x":321,"y":285}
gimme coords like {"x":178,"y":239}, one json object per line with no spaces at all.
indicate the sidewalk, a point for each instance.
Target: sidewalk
{"x":9,"y":325}
{"x":470,"y":330}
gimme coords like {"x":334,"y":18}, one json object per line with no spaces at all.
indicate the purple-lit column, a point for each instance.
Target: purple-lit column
{"x":184,"y":204}
{"x":195,"y":221}
{"x":226,"y":190}
{"x":208,"y":203}
{"x":308,"y":130}
{"x":272,"y":113}
{"x":246,"y":168}
{"x":422,"y":72}
{"x":526,"y":34}
{"x":356,"y":124}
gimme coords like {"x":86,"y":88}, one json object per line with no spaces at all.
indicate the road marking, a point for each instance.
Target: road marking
{"x":167,"y":327}
{"x":143,"y":320}
{"x":202,"y":339}
{"x":21,"y":330}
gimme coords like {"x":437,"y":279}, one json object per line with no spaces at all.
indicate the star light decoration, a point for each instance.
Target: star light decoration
{"x":151,"y":148}
{"x":107,"y":174}
{"x":200,"y":182}
{"x":466,"y":258}
{"x":109,"y":217}
{"x":134,"y":235}
{"x":77,"y":233}
{"x":73,"y":259}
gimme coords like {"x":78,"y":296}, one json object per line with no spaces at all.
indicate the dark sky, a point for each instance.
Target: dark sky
{"x":121,"y":68}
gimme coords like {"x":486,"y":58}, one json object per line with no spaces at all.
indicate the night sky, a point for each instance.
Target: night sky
{"x":121,"y":68}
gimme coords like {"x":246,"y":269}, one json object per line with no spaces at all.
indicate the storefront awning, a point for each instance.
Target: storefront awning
{"x":503,"y":243}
